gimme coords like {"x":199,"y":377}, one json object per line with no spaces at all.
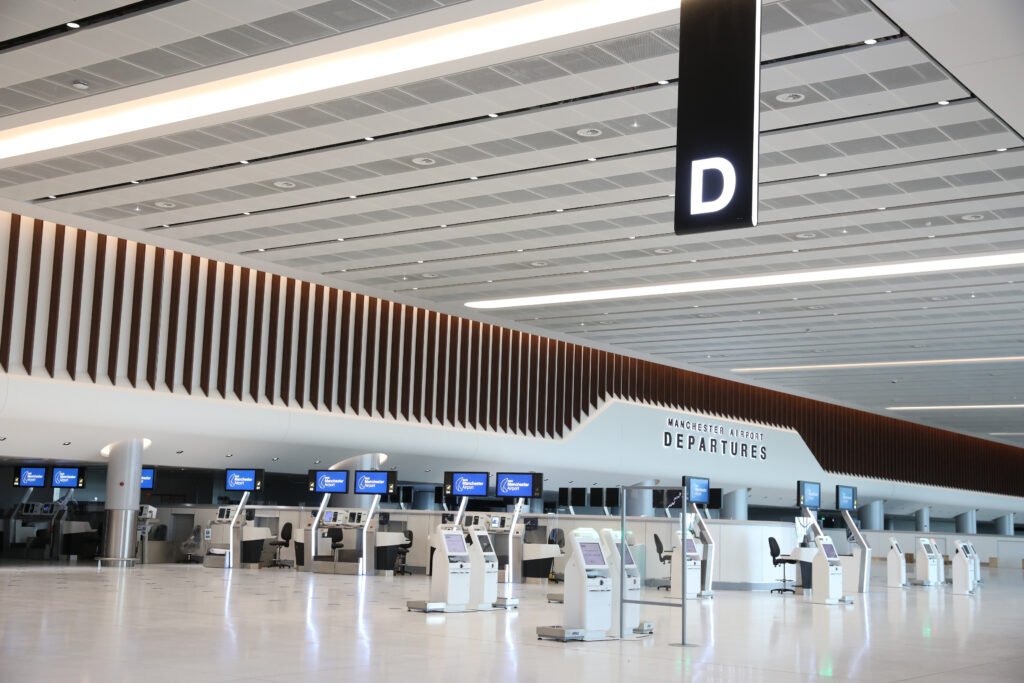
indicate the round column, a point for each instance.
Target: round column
{"x":124,"y":475}
{"x":1004,"y":525}
{"x":640,"y":503}
{"x":923,"y":519}
{"x":734,"y":504}
{"x":967,"y":522}
{"x":872,"y":516}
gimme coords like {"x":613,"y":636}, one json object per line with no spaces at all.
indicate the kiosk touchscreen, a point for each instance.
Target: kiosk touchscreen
{"x":450,"y":572}
{"x":926,"y":563}
{"x":483,"y":581}
{"x":896,"y":565}
{"x":630,"y":588}
{"x":826,"y":573}
{"x":688,"y":559}
{"x":588,"y":591}
{"x":963,"y":569}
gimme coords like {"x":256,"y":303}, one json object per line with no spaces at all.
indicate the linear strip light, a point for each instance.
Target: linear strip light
{"x":469,"y":38}
{"x":799,"y":277}
{"x":1006,"y":433}
{"x":884,"y":364}
{"x":992,"y":406}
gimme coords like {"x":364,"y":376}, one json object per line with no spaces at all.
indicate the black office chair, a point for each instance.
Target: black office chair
{"x":401,"y":555}
{"x":337,"y":535}
{"x":282,"y":542}
{"x":773,"y":548}
{"x":662,"y":557}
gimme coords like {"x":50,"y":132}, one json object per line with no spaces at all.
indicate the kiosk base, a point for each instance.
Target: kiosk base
{"x":505,"y":603}
{"x":556,"y":597}
{"x":115,"y":561}
{"x":645,"y":628}
{"x":424,"y":606}
{"x":563,"y":634}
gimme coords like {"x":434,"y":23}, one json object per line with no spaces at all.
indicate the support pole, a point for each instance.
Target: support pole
{"x":462,"y":510}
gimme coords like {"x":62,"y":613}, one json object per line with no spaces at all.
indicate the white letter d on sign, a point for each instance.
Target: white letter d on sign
{"x":697,"y":169}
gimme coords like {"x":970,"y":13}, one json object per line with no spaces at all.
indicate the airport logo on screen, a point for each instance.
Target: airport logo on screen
{"x":64,"y":478}
{"x":511,"y":487}
{"x":468,"y":486}
{"x":328,"y":482}
{"x":240,"y":480}
{"x":33,"y":476}
{"x":695,"y":436}
{"x":369,"y":483}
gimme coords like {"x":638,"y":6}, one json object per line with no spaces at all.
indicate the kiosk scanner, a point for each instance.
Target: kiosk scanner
{"x":588,"y":591}
{"x":896,"y":565}
{"x":449,"y":573}
{"x":826,"y":573}
{"x":963,"y":569}
{"x":690,"y":559}
{"x":630,"y":590}
{"x":926,"y":563}
{"x":483,"y":576}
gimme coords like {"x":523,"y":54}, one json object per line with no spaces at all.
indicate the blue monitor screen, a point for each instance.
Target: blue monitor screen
{"x":243,"y":480}
{"x":67,"y":478}
{"x":469,"y":483}
{"x":514,"y":485}
{"x":148,"y":477}
{"x":809,"y":494}
{"x":698,"y":490}
{"x":328,"y":481}
{"x":372,"y":482}
{"x":846,"y":497}
{"x":31,"y":476}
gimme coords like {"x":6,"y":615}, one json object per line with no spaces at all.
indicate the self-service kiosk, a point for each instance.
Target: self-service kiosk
{"x":688,"y":560}
{"x":942,"y":562}
{"x":977,"y":563}
{"x":483,"y":576}
{"x":144,"y":525}
{"x":449,"y":573}
{"x":628,"y":587}
{"x":963,"y":569}
{"x":896,"y":565}
{"x":926,"y":563}
{"x":588,"y":591}
{"x":826,"y":573}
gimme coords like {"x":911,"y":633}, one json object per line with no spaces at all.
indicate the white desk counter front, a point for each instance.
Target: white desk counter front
{"x":743,"y":560}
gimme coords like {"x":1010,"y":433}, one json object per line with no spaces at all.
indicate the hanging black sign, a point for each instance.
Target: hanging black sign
{"x":719,"y":90}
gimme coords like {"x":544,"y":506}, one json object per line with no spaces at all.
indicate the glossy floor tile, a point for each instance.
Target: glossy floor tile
{"x":186,"y":623}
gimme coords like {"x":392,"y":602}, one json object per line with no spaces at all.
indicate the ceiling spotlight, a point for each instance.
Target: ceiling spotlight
{"x":316,"y":462}
{"x":52,"y":196}
{"x":275,"y":458}
{"x":473,"y":177}
{"x":261,"y":250}
{"x":881,"y":208}
{"x":243,"y":161}
{"x":662,"y":82}
{"x":353,"y":196}
{"x":79,"y":84}
{"x":341,"y":239}
{"x":419,"y":262}
{"x":164,"y":204}
{"x":815,"y":307}
{"x":806,"y":235}
{"x":179,"y":452}
{"x":790,"y":97}
{"x":423,"y":161}
{"x":493,"y":116}
{"x":284,"y":184}
{"x":443,"y":225}
{"x":973,"y":217}
{"x":230,"y":455}
{"x":73,"y":24}
{"x":429,"y":276}
{"x":1001,"y":149}
{"x":559,"y":210}
{"x":538,"y":264}
{"x":938,"y":298}
{"x":592,"y":159}
{"x":870,"y":41}
{"x":823,"y":175}
{"x":589,"y":132}
{"x":67,"y":443}
{"x":368,"y":139}
{"x":134,"y":182}
{"x":943,"y":103}
{"x":244,"y":213}
{"x":662,"y":250}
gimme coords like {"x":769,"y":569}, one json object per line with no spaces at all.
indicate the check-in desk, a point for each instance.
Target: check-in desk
{"x":804,"y":558}
{"x":339,"y":542}
{"x":249,"y":541}
{"x":531,"y":560}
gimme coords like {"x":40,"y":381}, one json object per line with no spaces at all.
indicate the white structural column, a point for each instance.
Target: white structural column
{"x":124,"y":474}
{"x":967,"y":522}
{"x":640,"y":502}
{"x":872,"y":516}
{"x":923,"y":519}
{"x":1004,"y":525}
{"x":734,"y":504}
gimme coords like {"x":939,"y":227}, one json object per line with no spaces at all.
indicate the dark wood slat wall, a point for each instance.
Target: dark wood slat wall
{"x":394,"y":361}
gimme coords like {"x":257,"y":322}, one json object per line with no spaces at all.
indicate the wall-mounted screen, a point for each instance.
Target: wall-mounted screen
{"x":808,"y":494}
{"x":405,"y":494}
{"x":611,"y":497}
{"x":148,"y":478}
{"x":455,"y":544}
{"x":715,"y":499}
{"x":30,"y":476}
{"x":698,"y":490}
{"x":563,"y":497}
{"x":368,"y":482}
{"x":519,"y":484}
{"x":658,"y":498}
{"x":593,"y":556}
{"x":471,"y":484}
{"x":674,"y":498}
{"x":597,"y":497}
{"x":67,"y":477}
{"x":328,"y":481}
{"x":578,"y":497}
{"x":243,"y":480}
{"x":846,"y":497}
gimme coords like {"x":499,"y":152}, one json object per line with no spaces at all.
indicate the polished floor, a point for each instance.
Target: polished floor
{"x":189,"y":624}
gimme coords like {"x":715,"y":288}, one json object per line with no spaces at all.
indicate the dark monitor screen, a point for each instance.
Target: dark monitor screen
{"x":67,"y":477}
{"x":384,"y":518}
{"x":698,"y":490}
{"x":808,"y":494}
{"x":519,"y":485}
{"x":578,"y":497}
{"x":30,"y":476}
{"x":611,"y":497}
{"x":473,"y":484}
{"x":243,"y":480}
{"x":674,"y":498}
{"x":846,"y":497}
{"x":563,"y":497}
{"x":715,"y":499}
{"x":485,"y":543}
{"x":353,"y":517}
{"x":370,"y":482}
{"x":405,"y":494}
{"x":658,"y":498}
{"x":597,"y":497}
{"x":148,"y":478}
{"x":593,"y":556}
{"x":438,"y":495}
{"x":328,"y":481}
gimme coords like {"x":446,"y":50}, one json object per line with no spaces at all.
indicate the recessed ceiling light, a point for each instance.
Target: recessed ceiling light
{"x":415,"y":288}
{"x":261,"y":249}
{"x":590,"y":132}
{"x":823,"y":175}
{"x":230,"y":455}
{"x":795,"y":251}
{"x":243,"y":161}
{"x":882,"y":208}
{"x":662,"y":82}
{"x":705,"y":315}
{"x":493,"y":116}
{"x":771,"y":280}
{"x":632,"y":237}
{"x":806,"y":235}
{"x":424,"y":161}
{"x":284,"y":184}
{"x":73,"y":24}
{"x":340,"y":239}
{"x":79,"y":84}
{"x":790,"y":97}
{"x":134,"y":182}
{"x":538,"y":264}
{"x":473,"y":177}
{"x":592,"y":159}
{"x":992,"y":406}
{"x":316,"y":462}
{"x":244,"y":213}
{"x":938,"y":298}
{"x":559,"y":210}
{"x":67,"y":443}
{"x":353,"y":196}
{"x":52,"y":196}
{"x":419,"y":262}
{"x":163,"y":204}
{"x":943,"y":102}
{"x":973,"y":217}
{"x":663,"y":250}
{"x":368,"y":138}
{"x":275,"y":458}
{"x":870,"y":41}
{"x":443,"y":225}
{"x":1001,"y":149}
{"x":815,"y":307}
{"x":490,"y":281}
{"x":429,"y":276}
{"x":179,"y":452}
